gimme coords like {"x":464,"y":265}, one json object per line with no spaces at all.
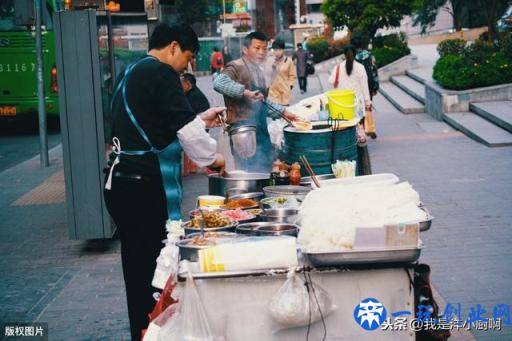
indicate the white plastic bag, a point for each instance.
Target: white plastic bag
{"x":296,"y":305}
{"x":275,"y":130}
{"x":167,"y":261}
{"x":190,"y":322}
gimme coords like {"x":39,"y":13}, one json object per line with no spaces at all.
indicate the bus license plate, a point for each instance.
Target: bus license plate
{"x":7,"y":110}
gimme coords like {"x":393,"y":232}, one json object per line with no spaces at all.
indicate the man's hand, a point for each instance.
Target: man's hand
{"x":253,"y":95}
{"x":368,"y":107}
{"x":290,"y":116}
{"x":210,"y":117}
{"x":219,"y":163}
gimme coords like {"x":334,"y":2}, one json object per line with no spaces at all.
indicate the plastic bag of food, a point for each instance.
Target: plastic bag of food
{"x":190,"y":322}
{"x":299,"y":302}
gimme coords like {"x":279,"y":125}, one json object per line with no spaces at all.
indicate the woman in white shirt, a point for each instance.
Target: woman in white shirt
{"x":349,"y":74}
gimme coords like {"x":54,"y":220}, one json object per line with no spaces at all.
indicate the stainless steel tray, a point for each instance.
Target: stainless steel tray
{"x":402,"y":255}
{"x":231,"y":274}
{"x":427,"y":224}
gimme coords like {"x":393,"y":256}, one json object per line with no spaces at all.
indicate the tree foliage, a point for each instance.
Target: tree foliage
{"x":425,"y":12}
{"x":366,"y":16}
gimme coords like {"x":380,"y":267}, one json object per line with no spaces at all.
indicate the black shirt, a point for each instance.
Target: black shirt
{"x":197,"y":100}
{"x":156,"y":99}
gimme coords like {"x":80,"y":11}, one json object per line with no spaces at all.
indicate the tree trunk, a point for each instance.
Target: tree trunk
{"x":457,"y":6}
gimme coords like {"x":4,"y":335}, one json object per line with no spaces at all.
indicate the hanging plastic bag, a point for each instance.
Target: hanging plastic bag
{"x":153,"y":331}
{"x":299,"y":303}
{"x":190,"y":322}
{"x":275,"y":130}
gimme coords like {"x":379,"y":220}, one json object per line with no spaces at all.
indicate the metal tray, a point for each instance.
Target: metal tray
{"x":231,"y":274}
{"x":427,"y":224}
{"x":402,"y":255}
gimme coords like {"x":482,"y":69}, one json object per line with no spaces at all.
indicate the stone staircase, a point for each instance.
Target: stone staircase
{"x":406,"y":92}
{"x":489,"y":123}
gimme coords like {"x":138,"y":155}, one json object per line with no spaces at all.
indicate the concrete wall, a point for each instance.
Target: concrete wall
{"x":398,"y":67}
{"x":440,"y":101}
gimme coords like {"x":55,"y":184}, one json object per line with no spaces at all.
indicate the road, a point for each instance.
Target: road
{"x":20,"y":141}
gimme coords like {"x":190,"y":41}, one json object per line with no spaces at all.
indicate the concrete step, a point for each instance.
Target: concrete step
{"x":479,"y":129}
{"x":411,"y":86}
{"x":499,"y":112}
{"x":422,"y":75}
{"x":400,"y":99}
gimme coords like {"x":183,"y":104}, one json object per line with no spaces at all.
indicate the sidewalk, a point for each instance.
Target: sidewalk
{"x":77,"y":286}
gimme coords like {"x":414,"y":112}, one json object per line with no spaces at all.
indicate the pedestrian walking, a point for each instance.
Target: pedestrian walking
{"x":366,"y":58}
{"x":350,"y":74}
{"x":153,"y":122}
{"x":301,"y":59}
{"x":283,"y":75}
{"x":217,"y":61}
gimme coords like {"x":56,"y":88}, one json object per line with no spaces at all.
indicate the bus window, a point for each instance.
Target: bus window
{"x":8,"y":17}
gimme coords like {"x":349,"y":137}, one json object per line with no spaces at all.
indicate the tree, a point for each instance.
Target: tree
{"x":425,"y":12}
{"x":366,"y":16}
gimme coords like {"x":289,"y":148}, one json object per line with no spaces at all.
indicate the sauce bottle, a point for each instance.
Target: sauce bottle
{"x":294,"y":174}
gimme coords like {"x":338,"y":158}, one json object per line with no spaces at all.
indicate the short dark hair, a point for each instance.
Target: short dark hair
{"x":254,"y":35}
{"x":164,"y":35}
{"x":278,"y":44}
{"x":357,"y":42}
{"x":299,"y":45}
{"x":216,"y":49}
{"x":190,"y":78}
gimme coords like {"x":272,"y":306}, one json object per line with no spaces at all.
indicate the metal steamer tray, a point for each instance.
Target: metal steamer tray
{"x":361,"y":257}
{"x":427,"y":224}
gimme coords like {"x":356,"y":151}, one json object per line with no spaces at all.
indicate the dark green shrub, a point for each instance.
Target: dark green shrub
{"x":451,"y":72}
{"x":387,"y":49}
{"x":318,"y":47}
{"x":505,"y":44}
{"x":451,"y":46}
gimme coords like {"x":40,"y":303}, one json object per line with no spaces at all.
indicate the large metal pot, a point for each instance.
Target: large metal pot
{"x":248,"y":182}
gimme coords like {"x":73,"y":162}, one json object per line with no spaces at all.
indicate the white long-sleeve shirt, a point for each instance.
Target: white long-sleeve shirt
{"x":357,"y":81}
{"x":199,"y":146}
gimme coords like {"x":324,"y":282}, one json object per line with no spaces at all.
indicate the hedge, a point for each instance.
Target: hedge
{"x":476,"y":65}
{"x":388,"y":48}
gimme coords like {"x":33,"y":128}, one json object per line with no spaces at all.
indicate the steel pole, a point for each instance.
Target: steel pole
{"x":43,"y":137}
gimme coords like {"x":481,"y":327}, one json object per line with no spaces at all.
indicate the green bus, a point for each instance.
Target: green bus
{"x":18,"y":85}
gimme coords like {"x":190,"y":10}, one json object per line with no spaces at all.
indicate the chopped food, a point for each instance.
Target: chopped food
{"x":255,"y":211}
{"x":238,"y":214}
{"x":240,"y":203}
{"x":212,"y":219}
{"x":201,"y":241}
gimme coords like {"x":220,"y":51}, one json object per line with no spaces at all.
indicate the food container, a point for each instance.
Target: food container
{"x":286,"y":191}
{"x":256,"y":196}
{"x":241,"y":181}
{"x":242,"y":221}
{"x":250,"y":228}
{"x":280,"y":215}
{"x":191,"y":252}
{"x":210,"y":201}
{"x":228,"y":228}
{"x":307,"y":181}
{"x":195,"y":213}
{"x":278,"y":202}
{"x":277,"y":230}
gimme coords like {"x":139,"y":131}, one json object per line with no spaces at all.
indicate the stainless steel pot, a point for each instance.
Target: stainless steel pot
{"x":280,"y":215}
{"x":277,"y":230}
{"x":307,"y":181}
{"x":250,"y":182}
{"x":286,"y":191}
{"x":243,"y":140}
{"x":191,"y":252}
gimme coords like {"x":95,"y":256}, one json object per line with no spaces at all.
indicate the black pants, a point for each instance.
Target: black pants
{"x":303,"y":83}
{"x":139,"y":210}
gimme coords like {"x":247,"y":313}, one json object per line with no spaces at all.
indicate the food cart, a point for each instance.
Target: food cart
{"x":238,"y":282}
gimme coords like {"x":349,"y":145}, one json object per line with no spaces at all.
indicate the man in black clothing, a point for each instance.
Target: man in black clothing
{"x":195,"y":96}
{"x":153,"y":122}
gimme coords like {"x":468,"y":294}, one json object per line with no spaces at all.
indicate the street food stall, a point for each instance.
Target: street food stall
{"x":290,"y":262}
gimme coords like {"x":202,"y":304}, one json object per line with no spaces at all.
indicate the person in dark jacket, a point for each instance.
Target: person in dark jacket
{"x":301,"y":59}
{"x":195,"y":96}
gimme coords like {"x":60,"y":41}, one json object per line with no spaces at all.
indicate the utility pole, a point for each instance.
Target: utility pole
{"x":43,"y":138}
{"x":297,"y":12}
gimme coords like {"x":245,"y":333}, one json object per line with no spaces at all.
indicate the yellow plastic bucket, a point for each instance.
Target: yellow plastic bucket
{"x":342,"y":104}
